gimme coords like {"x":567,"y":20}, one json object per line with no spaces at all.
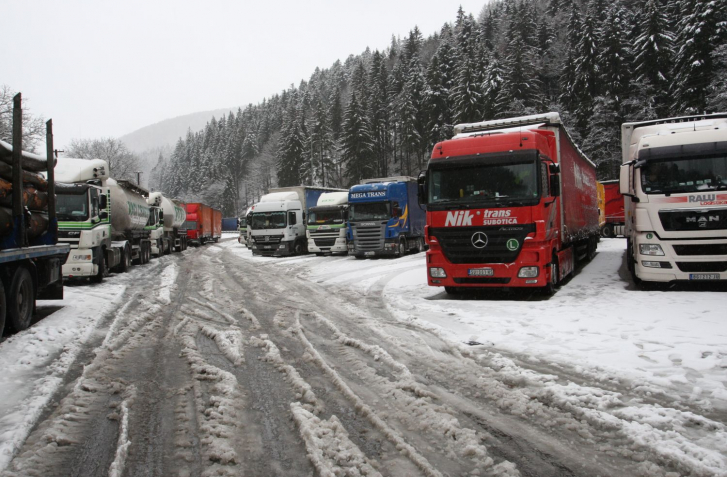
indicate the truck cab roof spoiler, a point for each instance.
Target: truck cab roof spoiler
{"x":546,"y":118}
{"x":389,"y":179}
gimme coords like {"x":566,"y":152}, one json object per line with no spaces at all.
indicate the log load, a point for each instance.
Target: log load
{"x":37,"y":180}
{"x":31,"y":162}
{"x":36,"y":223}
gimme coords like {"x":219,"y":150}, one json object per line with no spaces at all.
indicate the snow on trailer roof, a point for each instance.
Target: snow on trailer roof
{"x":70,"y":169}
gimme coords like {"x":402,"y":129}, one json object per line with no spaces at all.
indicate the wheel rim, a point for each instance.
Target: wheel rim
{"x":23,"y":303}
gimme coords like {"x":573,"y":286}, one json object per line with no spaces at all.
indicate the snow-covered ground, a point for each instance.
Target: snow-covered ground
{"x":652,"y":364}
{"x":35,"y":361}
{"x":673,"y":341}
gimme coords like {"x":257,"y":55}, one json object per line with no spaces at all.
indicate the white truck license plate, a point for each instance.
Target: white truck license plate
{"x":369,"y":253}
{"x":267,"y":246}
{"x":480,"y":272}
{"x":704,"y":276}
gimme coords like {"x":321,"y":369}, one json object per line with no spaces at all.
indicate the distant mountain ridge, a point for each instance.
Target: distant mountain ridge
{"x":167,"y":132}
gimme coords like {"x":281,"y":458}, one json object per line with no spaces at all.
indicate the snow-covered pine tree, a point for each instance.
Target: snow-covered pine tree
{"x":602,"y":144}
{"x":291,"y":159}
{"x":586,"y":84}
{"x":356,"y":142}
{"x":521,"y":92}
{"x":614,"y":58}
{"x":653,"y":53}
{"x":466,"y":94}
{"x":699,"y":33}
{"x":378,"y":111}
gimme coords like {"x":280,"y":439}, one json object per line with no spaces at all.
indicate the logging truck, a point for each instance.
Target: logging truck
{"x":30,"y":255}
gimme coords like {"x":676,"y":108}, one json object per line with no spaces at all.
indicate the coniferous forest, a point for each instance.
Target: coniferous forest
{"x":598,"y":63}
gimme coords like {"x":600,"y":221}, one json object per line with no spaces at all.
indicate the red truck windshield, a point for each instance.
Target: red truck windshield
{"x":484,"y":183}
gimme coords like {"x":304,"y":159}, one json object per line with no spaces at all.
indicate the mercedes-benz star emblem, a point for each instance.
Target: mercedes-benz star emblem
{"x":479,"y":240}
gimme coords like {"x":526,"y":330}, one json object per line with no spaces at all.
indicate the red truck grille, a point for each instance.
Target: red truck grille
{"x":465,"y":244}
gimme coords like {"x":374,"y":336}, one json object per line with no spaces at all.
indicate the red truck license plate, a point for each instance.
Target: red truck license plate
{"x":480,"y":272}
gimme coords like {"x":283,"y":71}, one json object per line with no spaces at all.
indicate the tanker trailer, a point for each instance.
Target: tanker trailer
{"x":103,"y":220}
{"x":172,"y":216}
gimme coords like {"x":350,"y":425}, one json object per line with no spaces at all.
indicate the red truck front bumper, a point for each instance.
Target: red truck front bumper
{"x":530,"y":270}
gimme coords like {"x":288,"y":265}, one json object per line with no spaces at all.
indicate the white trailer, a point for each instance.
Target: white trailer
{"x":674,"y":179}
{"x":102,"y":219}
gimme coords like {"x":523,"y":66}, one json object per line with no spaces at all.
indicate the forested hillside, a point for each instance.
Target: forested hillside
{"x":597,"y":62}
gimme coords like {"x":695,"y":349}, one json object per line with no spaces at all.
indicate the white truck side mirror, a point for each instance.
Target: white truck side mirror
{"x":624,"y":180}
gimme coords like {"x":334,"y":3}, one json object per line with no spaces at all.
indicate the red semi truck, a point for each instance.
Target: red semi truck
{"x":203,"y":224}
{"x":613,"y":209}
{"x":510,"y":203}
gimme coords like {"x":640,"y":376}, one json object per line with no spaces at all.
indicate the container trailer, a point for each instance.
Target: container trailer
{"x":510,"y":203}
{"x":612,"y":209}
{"x":198,"y":223}
{"x":230,"y":224}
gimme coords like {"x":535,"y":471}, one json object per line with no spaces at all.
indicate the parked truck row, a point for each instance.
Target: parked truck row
{"x":514,"y":203}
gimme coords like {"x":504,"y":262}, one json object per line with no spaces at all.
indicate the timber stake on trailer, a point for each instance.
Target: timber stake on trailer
{"x":18,"y":216}
{"x":50,"y":159}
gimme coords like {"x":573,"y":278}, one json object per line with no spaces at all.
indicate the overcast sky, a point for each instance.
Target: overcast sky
{"x":102,"y":68}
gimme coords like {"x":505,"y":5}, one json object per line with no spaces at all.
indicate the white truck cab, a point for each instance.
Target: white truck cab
{"x":674,"y":179}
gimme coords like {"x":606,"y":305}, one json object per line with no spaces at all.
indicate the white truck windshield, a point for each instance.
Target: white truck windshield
{"x":684,"y":175}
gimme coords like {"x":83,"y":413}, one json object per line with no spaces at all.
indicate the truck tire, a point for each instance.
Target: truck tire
{"x":451,"y":290}
{"x":125,"y":260}
{"x":298,"y":248}
{"x":21,"y":299}
{"x":98,"y":278}
{"x":607,"y":231}
{"x":631,"y":264}
{"x":402,"y":249}
{"x":3,"y":308}
{"x":420,"y":244}
{"x":551,"y":287}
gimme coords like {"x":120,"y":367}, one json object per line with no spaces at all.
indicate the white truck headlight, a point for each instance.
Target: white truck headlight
{"x":436,"y":272}
{"x":653,"y":249}
{"x":528,"y":272}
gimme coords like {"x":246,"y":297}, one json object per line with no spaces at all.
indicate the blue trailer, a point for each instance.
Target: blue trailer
{"x":230,"y":224}
{"x":385,"y":218}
